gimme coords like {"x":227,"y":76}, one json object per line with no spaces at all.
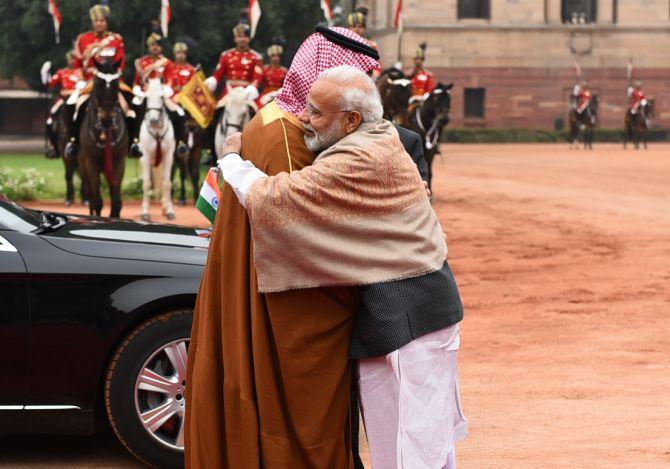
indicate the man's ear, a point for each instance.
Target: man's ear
{"x":352,"y":121}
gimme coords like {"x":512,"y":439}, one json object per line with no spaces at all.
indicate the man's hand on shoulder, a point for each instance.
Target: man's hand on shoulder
{"x":425,"y":186}
{"x":233,"y":144}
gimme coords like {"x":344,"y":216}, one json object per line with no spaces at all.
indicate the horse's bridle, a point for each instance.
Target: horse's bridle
{"x":239,"y":126}
{"x":104,"y":130}
{"x":432,"y":136}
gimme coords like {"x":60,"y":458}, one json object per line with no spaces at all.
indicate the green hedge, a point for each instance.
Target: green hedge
{"x":538,"y":136}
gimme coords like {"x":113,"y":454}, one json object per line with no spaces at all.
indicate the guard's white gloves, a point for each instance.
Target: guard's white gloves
{"x":45,"y":72}
{"x":138,"y":95}
{"x":211,"y":83}
{"x":251,"y":92}
{"x":81,"y":84}
{"x":168,"y":92}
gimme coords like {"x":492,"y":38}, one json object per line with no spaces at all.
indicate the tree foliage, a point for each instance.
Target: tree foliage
{"x":27,"y":36}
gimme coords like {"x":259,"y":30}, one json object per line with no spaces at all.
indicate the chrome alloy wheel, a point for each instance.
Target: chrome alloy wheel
{"x":159,"y":394}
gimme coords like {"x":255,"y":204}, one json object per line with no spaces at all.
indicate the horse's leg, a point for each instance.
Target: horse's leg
{"x":83,"y":188}
{"x":69,"y":180}
{"x":115,"y":189}
{"x":193,"y":166}
{"x":95,"y":205}
{"x":115,"y":196}
{"x":183,"y":173}
{"x":145,"y":162}
{"x":430,"y":157}
{"x":167,"y":185}
{"x":637,"y":136}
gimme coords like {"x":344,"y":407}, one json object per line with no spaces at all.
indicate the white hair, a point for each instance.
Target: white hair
{"x":359,"y":92}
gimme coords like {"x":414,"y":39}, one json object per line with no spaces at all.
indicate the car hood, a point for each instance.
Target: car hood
{"x":128,"y":239}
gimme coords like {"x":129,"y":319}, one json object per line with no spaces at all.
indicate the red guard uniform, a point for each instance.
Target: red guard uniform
{"x":273,"y":78}
{"x":238,"y":68}
{"x":178,"y":75}
{"x":66,"y":79}
{"x":90,"y":47}
{"x":636,"y":98}
{"x":376,"y":73}
{"x":423,"y":82}
{"x":585,"y":97}
{"x":149,"y":67}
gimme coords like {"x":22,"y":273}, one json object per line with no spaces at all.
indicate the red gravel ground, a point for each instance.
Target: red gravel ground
{"x":563,"y":259}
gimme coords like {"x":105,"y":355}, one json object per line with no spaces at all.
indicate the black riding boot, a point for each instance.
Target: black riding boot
{"x":178,"y":127}
{"x":51,"y":151}
{"x":134,"y":124}
{"x":133,"y":137}
{"x":72,"y":146}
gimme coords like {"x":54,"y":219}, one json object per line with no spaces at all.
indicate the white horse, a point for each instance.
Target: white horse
{"x":157,"y":143}
{"x":238,"y":111}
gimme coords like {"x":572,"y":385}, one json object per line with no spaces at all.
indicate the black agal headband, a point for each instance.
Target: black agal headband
{"x":347,"y":43}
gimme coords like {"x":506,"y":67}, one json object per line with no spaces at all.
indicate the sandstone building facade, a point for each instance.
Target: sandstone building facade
{"x":512,"y":61}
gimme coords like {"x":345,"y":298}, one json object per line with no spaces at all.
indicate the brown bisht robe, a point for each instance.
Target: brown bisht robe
{"x":268,"y":375}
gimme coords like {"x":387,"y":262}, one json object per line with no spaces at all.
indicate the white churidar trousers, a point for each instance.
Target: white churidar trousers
{"x":410,"y":402}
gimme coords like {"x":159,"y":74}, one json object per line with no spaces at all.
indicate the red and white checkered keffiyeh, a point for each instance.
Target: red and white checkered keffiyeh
{"x":315,"y":55}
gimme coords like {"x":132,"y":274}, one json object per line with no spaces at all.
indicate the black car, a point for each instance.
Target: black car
{"x":95,"y":320}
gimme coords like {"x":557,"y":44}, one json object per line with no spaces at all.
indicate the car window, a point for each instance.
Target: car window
{"x":18,"y":218}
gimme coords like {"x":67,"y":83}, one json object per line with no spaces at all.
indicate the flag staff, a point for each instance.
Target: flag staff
{"x":398,"y":22}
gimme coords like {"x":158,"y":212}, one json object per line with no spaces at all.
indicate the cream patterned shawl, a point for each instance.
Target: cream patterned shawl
{"x":359,"y":215}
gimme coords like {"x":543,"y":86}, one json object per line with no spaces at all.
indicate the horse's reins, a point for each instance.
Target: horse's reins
{"x":105,"y":139}
{"x":431,"y":141}
{"x":157,"y":137}
{"x":431,"y":135}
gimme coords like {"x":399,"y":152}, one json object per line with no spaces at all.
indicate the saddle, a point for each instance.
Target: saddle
{"x":78,"y":99}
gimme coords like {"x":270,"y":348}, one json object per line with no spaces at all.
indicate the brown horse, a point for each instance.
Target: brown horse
{"x":104,"y":139}
{"x":189,"y":165}
{"x":395,"y":90}
{"x":71,"y":164}
{"x":584,"y":122}
{"x":638,"y":124}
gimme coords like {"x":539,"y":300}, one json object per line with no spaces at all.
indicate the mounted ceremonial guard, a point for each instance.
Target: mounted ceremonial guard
{"x":179,"y":75}
{"x":639,"y":114}
{"x":241,"y":67}
{"x":423,"y":81}
{"x":91,"y":48}
{"x":180,"y":71}
{"x":583,"y":114}
{"x":579,"y":94}
{"x":65,"y":81}
{"x":273,"y":75}
{"x":155,"y":65}
{"x":636,"y":97}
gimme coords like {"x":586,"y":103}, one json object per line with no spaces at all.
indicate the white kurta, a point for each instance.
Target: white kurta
{"x":410,"y":402}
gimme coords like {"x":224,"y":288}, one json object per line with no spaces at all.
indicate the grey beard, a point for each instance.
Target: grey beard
{"x":321,"y":141}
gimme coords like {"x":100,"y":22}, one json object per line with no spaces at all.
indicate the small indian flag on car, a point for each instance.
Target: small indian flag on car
{"x":208,"y":200}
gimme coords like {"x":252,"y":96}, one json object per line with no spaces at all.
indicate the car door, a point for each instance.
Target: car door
{"x":14,"y":314}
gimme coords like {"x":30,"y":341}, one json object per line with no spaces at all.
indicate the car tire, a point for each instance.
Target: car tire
{"x":145,"y":383}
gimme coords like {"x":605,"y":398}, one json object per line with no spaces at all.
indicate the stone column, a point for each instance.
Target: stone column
{"x":605,"y":11}
{"x":553,"y":11}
